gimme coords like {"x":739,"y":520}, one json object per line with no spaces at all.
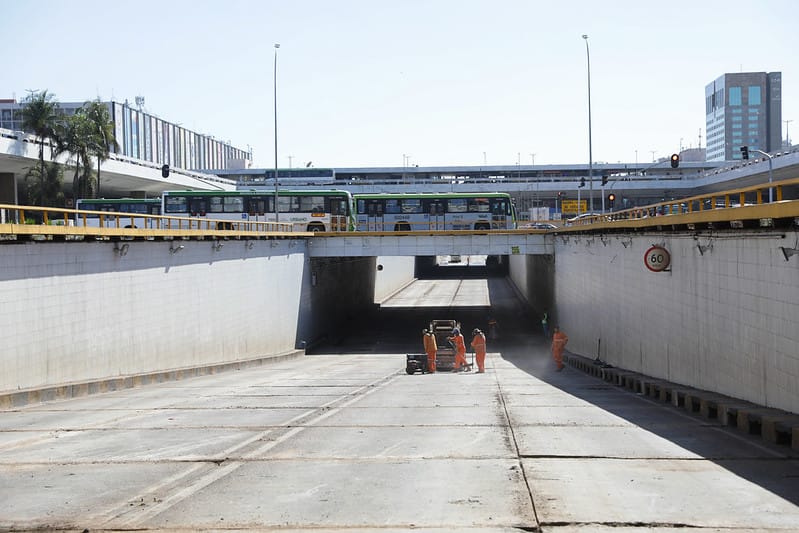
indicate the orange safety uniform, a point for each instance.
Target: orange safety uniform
{"x":479,"y":345}
{"x":559,"y":340}
{"x":460,"y":350}
{"x":430,"y":347}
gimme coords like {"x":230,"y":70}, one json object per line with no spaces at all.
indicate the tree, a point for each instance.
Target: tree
{"x":45,"y":189}
{"x":40,"y":116}
{"x":74,"y":137}
{"x":101,"y":133}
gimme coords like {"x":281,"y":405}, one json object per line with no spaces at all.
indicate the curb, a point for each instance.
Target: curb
{"x":75,"y":390}
{"x":773,"y":425}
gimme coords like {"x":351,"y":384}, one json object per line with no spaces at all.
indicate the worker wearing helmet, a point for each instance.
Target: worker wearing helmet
{"x":430,"y":347}
{"x":479,"y":346}
{"x":460,"y":348}
{"x":559,"y":340}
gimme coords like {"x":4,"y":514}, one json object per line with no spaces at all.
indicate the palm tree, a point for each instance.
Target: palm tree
{"x":74,"y":135}
{"x":40,"y":116}
{"x":101,"y":131}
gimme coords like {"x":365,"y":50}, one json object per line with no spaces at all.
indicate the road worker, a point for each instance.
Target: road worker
{"x":430,"y":347}
{"x":479,"y":347}
{"x":559,"y":340}
{"x":460,"y":348}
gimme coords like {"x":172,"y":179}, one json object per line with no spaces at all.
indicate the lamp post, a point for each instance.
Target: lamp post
{"x":277,"y":216}
{"x":770,"y":172}
{"x":590,"y":152}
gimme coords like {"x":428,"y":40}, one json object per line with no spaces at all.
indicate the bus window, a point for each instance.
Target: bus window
{"x":479,"y":205}
{"x":338,"y":207}
{"x":175,"y":204}
{"x":456,"y":205}
{"x":233,"y":204}
{"x":197,"y":207}
{"x":256,"y":206}
{"x":216,"y":204}
{"x":393,"y":206}
{"x":411,"y":205}
{"x":287,"y":204}
{"x":312,"y":204}
{"x":499,"y":207}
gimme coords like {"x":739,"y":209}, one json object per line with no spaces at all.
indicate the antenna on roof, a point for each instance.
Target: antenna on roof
{"x":308,"y":164}
{"x":140,"y":102}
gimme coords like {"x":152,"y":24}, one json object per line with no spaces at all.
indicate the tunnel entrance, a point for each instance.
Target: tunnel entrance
{"x":461,"y":266}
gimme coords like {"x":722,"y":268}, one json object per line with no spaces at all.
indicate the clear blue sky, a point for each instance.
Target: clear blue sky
{"x":365,"y":82}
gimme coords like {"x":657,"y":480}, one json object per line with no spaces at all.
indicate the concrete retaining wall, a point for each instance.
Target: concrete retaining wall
{"x":396,"y":273}
{"x":92,"y":313}
{"x":77,"y":312}
{"x":726,"y":321}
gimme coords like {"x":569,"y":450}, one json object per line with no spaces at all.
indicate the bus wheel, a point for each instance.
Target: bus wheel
{"x":404,"y":226}
{"x":481,"y":226}
{"x":316,"y":227}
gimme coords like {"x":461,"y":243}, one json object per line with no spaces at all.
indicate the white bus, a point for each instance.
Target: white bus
{"x":323,"y":210}
{"x":128,"y":206}
{"x":433,"y":211}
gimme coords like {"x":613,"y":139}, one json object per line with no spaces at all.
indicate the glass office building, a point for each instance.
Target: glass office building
{"x":743,"y":109}
{"x":145,"y":137}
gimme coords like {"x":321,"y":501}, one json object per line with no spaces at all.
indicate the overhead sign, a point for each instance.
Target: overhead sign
{"x":657,"y":258}
{"x":570,"y":206}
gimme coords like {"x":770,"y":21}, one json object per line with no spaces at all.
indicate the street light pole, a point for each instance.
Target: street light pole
{"x":590,"y":152}
{"x":770,"y":173}
{"x":277,"y":216}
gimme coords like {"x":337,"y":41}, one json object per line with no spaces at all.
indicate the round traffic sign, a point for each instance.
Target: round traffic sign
{"x":657,"y":258}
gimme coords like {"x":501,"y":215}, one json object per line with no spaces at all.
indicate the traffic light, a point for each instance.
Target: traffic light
{"x":611,"y":199}
{"x":604,"y":180}
{"x":675,"y":160}
{"x":582,"y":182}
{"x":165,"y":171}
{"x":560,"y":194}
{"x":744,"y":152}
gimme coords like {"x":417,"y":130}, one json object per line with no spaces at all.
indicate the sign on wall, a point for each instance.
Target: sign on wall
{"x":657,"y":258}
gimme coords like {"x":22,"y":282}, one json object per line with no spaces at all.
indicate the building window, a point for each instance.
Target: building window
{"x":735,"y":96}
{"x":754,"y":95}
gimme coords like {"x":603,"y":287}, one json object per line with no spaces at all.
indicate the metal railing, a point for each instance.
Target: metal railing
{"x":51,"y":221}
{"x":735,"y":204}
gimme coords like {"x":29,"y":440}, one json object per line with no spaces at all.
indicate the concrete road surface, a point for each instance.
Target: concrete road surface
{"x":352,"y":443}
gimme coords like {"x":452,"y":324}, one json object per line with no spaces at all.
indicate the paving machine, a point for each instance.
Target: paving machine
{"x":445,"y":356}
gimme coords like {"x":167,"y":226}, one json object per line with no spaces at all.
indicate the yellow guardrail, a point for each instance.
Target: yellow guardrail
{"x":30,"y":220}
{"x":745,"y":203}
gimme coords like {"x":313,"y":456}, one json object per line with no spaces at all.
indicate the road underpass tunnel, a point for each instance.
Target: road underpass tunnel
{"x":475,"y":291}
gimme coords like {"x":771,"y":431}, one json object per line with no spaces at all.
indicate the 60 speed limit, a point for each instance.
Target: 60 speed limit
{"x":657,"y":259}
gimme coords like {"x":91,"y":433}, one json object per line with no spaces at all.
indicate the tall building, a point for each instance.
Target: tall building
{"x":145,"y":137}
{"x":743,"y":109}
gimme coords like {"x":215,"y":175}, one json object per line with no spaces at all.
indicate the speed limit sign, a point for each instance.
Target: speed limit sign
{"x":657,"y":259}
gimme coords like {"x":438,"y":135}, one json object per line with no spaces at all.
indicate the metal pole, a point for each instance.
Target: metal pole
{"x":277,"y":216}
{"x":590,"y":152}
{"x":770,"y":173}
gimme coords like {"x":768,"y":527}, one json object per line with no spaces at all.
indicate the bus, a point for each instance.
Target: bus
{"x":134,"y":206}
{"x":322,"y":210}
{"x":433,"y":211}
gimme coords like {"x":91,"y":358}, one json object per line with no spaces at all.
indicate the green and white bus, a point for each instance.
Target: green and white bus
{"x":434,"y":211}
{"x":323,"y":210}
{"x":133,"y":206}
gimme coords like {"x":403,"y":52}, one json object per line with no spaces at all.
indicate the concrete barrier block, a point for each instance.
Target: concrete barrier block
{"x":679,"y":394}
{"x":750,"y":420}
{"x":780,"y":428}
